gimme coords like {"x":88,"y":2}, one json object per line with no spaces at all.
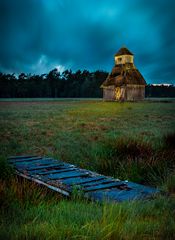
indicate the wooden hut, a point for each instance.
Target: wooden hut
{"x":125,"y":82}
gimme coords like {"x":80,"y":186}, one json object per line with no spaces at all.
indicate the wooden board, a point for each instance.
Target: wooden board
{"x":64,"y":177}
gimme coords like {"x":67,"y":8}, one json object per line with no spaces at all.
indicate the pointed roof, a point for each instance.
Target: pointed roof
{"x":123,"y":51}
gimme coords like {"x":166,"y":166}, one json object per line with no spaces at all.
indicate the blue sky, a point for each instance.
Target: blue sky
{"x":39,"y":35}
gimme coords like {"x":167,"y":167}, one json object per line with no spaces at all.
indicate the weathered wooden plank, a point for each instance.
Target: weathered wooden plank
{"x":21,"y":157}
{"x":103,"y":186}
{"x":24,"y":159}
{"x":44,"y":166}
{"x":117,"y":195}
{"x":60,"y":167}
{"x":97,"y":182}
{"x":82,"y":180}
{"x":67,"y":175}
{"x":35,"y":167}
{"x":57,"y":189}
{"x":123,"y":195}
{"x":34,"y":163}
{"x":141,"y":188}
{"x":48,"y":172}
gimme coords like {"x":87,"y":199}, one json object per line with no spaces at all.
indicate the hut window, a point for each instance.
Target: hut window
{"x":128,"y":59}
{"x":119,"y":59}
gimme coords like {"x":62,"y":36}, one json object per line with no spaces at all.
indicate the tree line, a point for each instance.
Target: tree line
{"x":66,"y":84}
{"x":160,"y":91}
{"x":54,"y":84}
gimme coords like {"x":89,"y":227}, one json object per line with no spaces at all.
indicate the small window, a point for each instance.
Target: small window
{"x":128,"y":59}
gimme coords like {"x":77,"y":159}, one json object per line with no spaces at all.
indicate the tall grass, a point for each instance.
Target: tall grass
{"x":136,"y":160}
{"x":133,"y":141}
{"x":34,"y":213}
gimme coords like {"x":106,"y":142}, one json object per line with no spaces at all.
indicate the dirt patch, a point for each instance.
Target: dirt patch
{"x":32,"y":123}
{"x":93,"y":126}
{"x":107,"y":119}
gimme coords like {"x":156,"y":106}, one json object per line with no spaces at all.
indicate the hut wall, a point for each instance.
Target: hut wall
{"x":109,"y":93}
{"x":135,"y":92}
{"x":124,"y":59}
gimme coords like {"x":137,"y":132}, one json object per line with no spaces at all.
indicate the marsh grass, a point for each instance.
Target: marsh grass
{"x":136,"y":160}
{"x":6,"y":171}
{"x":169,"y":140}
{"x":40,"y":215}
{"x":133,"y":141}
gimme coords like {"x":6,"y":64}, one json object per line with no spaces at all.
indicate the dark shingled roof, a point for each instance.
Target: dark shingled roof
{"x":123,"y":51}
{"x":120,"y":76}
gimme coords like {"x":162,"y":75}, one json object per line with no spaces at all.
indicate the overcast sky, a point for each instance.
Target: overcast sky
{"x":39,"y":35}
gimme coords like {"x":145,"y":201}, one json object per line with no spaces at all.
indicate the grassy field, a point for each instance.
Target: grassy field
{"x":134,"y":141}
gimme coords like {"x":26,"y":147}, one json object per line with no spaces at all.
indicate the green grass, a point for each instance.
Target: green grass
{"x":131,"y":141}
{"x":53,"y":99}
{"x":30,"y":212}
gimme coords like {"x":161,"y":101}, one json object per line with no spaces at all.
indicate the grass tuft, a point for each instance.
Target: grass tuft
{"x":135,"y":160}
{"x":169,"y":141}
{"x":6,"y":171}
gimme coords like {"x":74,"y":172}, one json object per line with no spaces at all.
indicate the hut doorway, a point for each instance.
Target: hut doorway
{"x":118,"y":93}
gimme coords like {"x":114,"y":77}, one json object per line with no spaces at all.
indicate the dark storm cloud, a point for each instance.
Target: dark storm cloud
{"x":38,"y":35}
